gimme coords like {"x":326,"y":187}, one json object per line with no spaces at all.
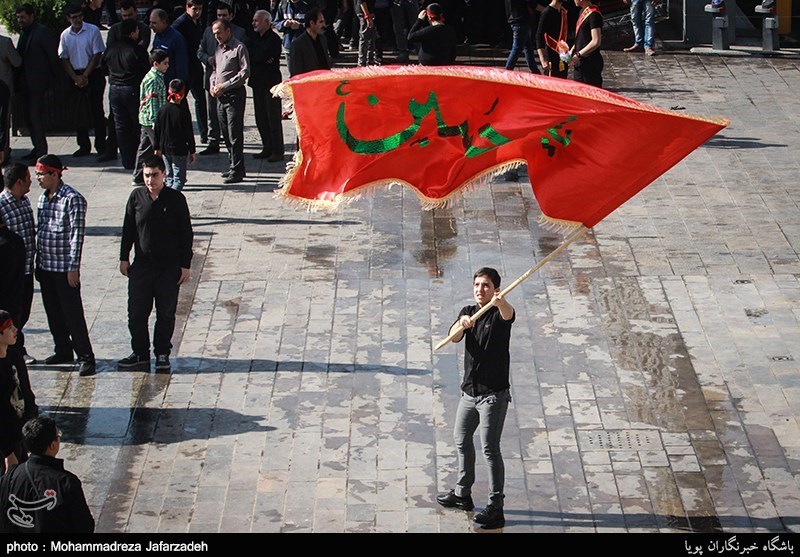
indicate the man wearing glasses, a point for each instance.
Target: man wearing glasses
{"x":59,"y":244}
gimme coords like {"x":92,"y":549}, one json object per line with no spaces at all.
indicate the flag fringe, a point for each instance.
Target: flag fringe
{"x":559,"y":226}
{"x":426,"y":203}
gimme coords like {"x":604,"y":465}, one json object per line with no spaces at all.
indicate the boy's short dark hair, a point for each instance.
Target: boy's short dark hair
{"x":154,"y":161}
{"x":176,"y":85}
{"x":312,"y":16}
{"x":489,"y":273}
{"x":158,"y":55}
{"x":127,"y":27}
{"x":38,"y":433}
{"x":225,"y":6}
{"x":14,"y":172}
{"x":73,"y":9}
{"x":25,"y":9}
{"x":224,"y":23}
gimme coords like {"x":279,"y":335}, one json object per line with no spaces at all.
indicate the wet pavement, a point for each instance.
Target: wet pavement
{"x":655,"y":365}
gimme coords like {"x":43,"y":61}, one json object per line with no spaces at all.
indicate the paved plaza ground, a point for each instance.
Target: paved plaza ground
{"x":655,"y":365}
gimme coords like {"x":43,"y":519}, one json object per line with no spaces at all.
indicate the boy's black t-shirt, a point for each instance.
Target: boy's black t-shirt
{"x":486,"y":355}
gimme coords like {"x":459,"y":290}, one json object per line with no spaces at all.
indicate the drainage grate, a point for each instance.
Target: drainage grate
{"x":620,"y":440}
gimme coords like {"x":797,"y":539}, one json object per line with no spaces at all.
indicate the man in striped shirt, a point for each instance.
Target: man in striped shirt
{"x":152,"y":96}
{"x":17,"y":214}
{"x":59,"y":244}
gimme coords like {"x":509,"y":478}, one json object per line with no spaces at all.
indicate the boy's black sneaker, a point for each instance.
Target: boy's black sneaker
{"x":451,"y":500}
{"x":57,"y":358}
{"x":134,"y":362}
{"x":162,"y":363}
{"x":490,"y":518}
{"x":85,"y":368}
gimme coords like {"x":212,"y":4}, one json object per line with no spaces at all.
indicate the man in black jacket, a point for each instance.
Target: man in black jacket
{"x":40,"y":496}
{"x":158,"y":226}
{"x":39,"y":51}
{"x":126,"y":63}
{"x":309,"y":51}
{"x":265,"y":72}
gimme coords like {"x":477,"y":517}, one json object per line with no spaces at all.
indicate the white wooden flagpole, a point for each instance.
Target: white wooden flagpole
{"x":575,"y":235}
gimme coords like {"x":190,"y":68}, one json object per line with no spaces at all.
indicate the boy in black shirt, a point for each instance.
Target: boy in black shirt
{"x":485,"y":394}
{"x":174,"y":136}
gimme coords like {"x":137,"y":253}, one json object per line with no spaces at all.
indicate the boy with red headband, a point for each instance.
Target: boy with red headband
{"x":437,"y":40}
{"x":174,"y":135}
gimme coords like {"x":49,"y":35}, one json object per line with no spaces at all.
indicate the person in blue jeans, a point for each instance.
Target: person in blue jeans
{"x":485,"y":395}
{"x":174,"y":135}
{"x":643,"y":19}
{"x":522,"y":35}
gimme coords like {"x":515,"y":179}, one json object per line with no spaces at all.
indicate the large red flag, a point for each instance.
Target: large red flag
{"x":439,"y":130}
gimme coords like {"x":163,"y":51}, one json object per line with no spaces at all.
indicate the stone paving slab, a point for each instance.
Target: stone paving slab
{"x":306,"y":395}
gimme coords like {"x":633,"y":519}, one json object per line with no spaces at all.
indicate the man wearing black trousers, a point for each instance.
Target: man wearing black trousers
{"x":38,"y":49}
{"x":126,"y":64}
{"x":80,"y":50}
{"x":61,"y":228}
{"x":158,"y":227}
{"x":265,"y":63}
{"x":190,"y":25}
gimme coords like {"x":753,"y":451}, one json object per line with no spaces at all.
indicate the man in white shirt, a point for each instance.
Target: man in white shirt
{"x":80,"y":49}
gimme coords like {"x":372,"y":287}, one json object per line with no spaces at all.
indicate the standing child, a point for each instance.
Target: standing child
{"x":174,"y":135}
{"x":152,"y":96}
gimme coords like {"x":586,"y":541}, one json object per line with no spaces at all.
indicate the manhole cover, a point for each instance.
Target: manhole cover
{"x":620,"y":440}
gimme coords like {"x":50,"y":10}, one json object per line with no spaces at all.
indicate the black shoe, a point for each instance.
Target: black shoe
{"x":56,"y":359}
{"x":85,"y":368}
{"x":225,"y":174}
{"x":276,"y":158}
{"x":30,"y":360}
{"x":490,"y":518}
{"x":261,"y":155}
{"x":82,"y":152}
{"x":108,"y":156}
{"x":134,"y":362}
{"x":162,"y":363}
{"x":233,"y":179}
{"x":451,"y":500}
{"x":212,"y":149}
